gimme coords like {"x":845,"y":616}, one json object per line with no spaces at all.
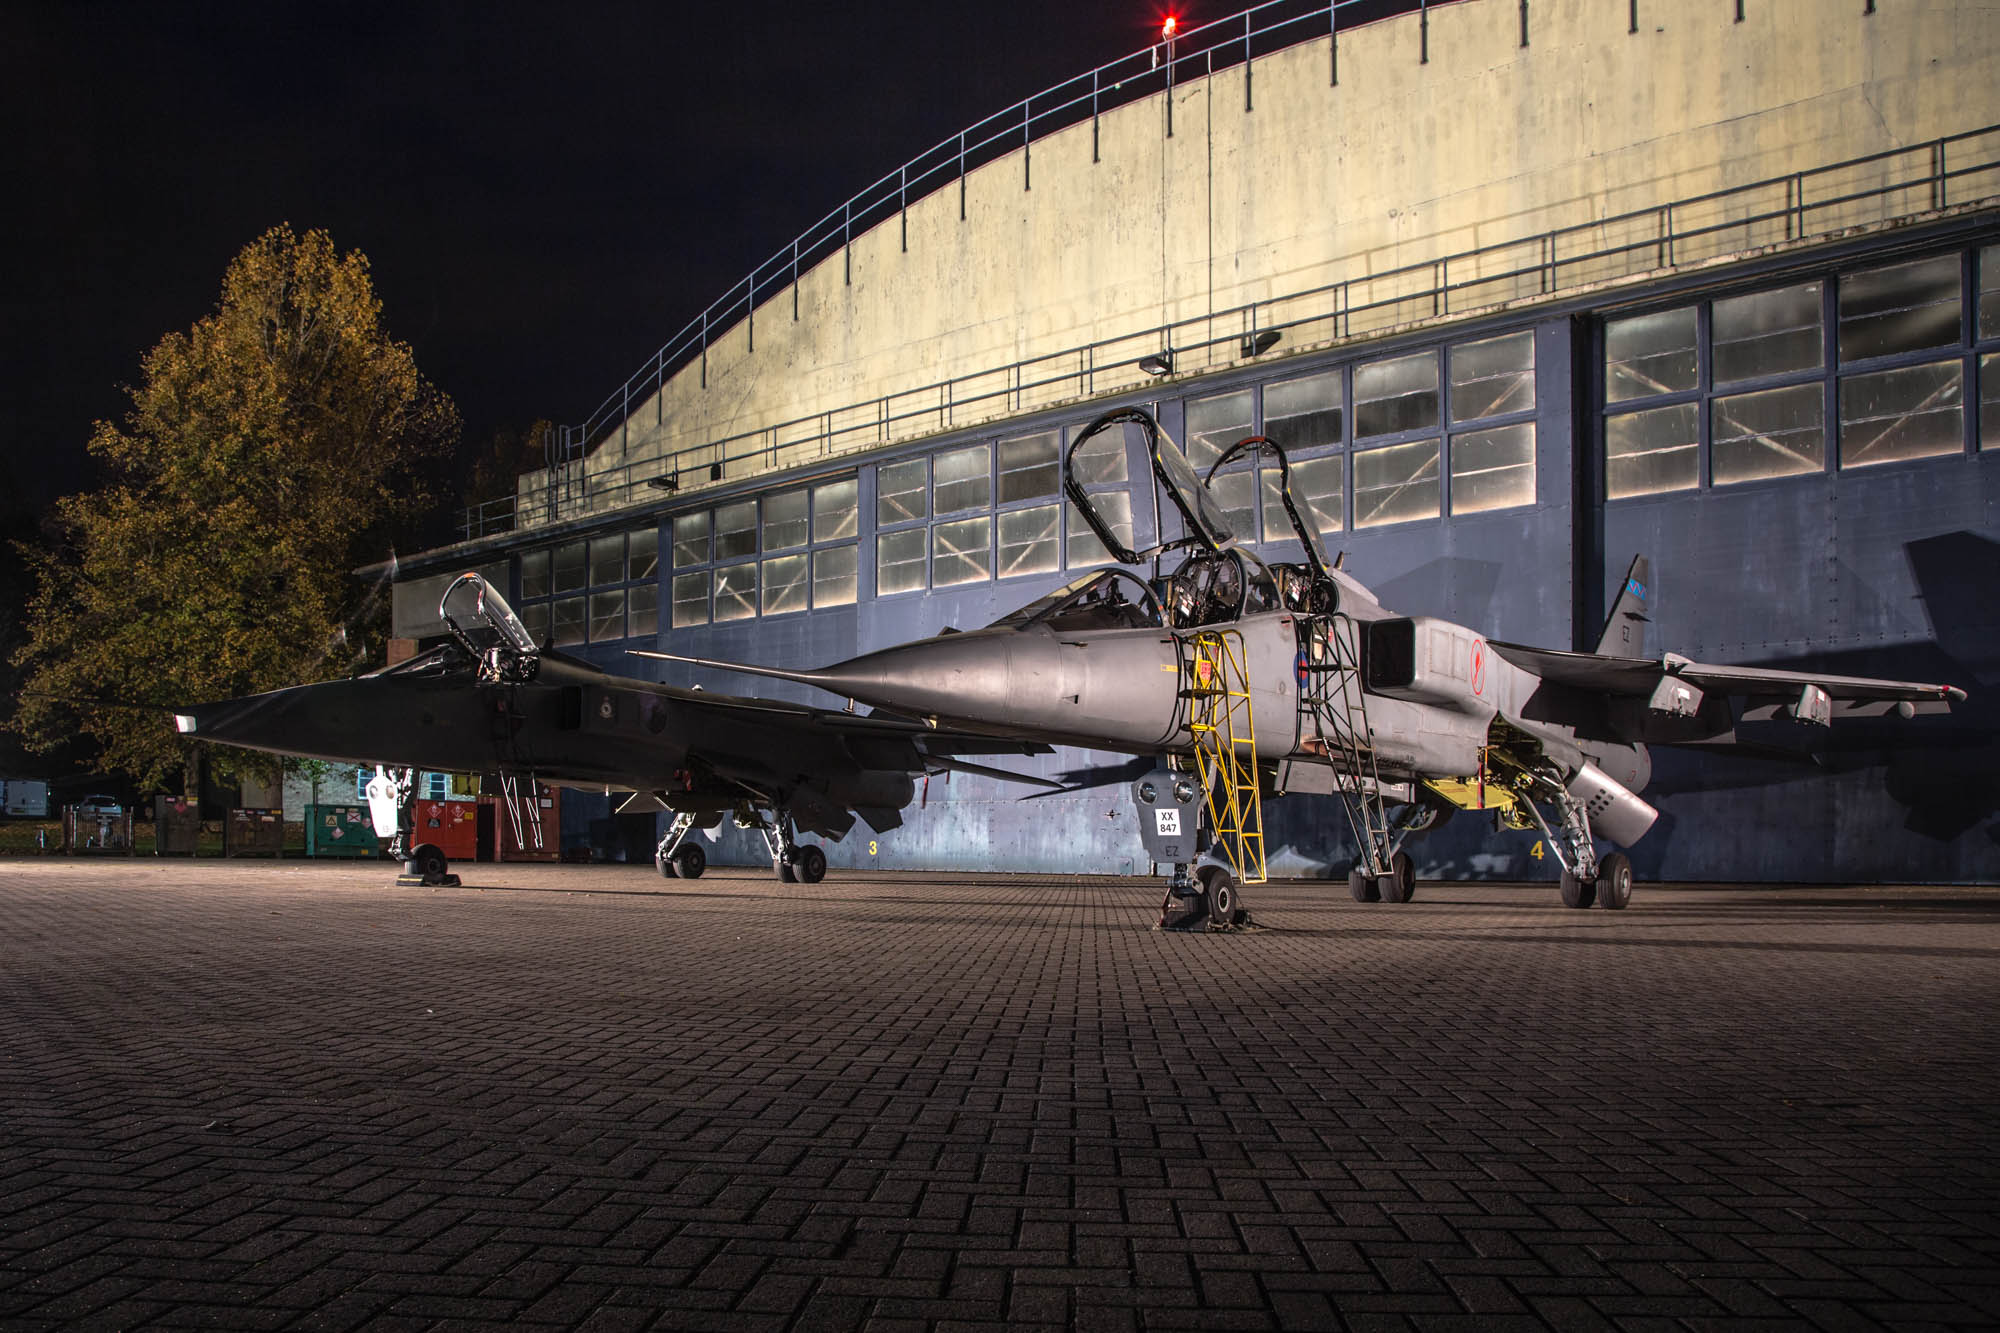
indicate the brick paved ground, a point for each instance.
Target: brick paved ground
{"x":256,"y":1095}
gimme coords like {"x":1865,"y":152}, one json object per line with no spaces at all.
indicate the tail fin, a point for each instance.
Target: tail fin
{"x":1625,"y":630}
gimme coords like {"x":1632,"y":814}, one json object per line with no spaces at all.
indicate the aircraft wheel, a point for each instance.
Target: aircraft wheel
{"x":1400,"y":884}
{"x":430,"y":861}
{"x":783,"y":866}
{"x":665,"y":865}
{"x":1578,"y":893}
{"x":1614,"y":881}
{"x":689,"y":861}
{"x":1362,"y":887}
{"x":1220,"y":896}
{"x":809,"y":864}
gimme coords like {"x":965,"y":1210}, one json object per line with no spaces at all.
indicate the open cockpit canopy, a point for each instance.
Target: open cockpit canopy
{"x":486,"y":627}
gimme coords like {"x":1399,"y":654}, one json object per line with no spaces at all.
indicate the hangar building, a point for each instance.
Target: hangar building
{"x":1526,"y":286}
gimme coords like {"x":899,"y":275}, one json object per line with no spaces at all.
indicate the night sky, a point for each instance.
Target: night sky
{"x":546,"y":192}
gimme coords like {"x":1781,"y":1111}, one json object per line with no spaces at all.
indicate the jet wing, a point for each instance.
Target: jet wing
{"x":1641,"y":677}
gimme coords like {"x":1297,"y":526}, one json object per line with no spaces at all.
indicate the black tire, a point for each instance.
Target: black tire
{"x":783,"y":867}
{"x":1577,"y":893}
{"x":665,"y":865}
{"x":1220,"y":896}
{"x":809,"y":864}
{"x":689,"y":861}
{"x":1362,"y":886}
{"x":430,"y":861}
{"x":1400,"y":884}
{"x":1614,"y":881}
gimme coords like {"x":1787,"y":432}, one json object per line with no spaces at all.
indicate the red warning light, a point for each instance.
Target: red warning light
{"x":1168,"y":27}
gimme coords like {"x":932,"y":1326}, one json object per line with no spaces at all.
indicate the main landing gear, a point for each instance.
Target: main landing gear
{"x":791,"y":862}
{"x":1586,"y":878}
{"x":677,"y":858}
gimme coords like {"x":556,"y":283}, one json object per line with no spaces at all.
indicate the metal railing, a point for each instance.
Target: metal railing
{"x":1782,"y":209}
{"x":1194,"y":53}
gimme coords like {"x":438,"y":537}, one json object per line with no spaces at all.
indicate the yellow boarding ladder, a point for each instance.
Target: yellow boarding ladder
{"x":1225,"y":750}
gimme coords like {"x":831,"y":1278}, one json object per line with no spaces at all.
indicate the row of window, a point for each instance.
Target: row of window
{"x":767,"y":555}
{"x":595,"y":591}
{"x":1714,"y":392}
{"x":1461,"y":415}
{"x":1854,"y":369}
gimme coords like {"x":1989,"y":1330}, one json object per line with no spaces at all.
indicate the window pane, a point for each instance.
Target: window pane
{"x":1912,"y":412}
{"x":1029,"y":540}
{"x":607,"y":615}
{"x":1989,"y":292}
{"x":642,"y":610}
{"x":785,"y":520}
{"x":1493,"y":469}
{"x":1102,"y":461}
{"x":1776,"y":433}
{"x":1989,"y":401}
{"x":899,"y":560}
{"x":1084,"y":550}
{"x":735,"y":531}
{"x":1316,"y":490}
{"x":961,"y":552}
{"x":607,"y":560}
{"x":1030,"y":467}
{"x":690,"y":539}
{"x":535,"y":619}
{"x":1492,"y":377}
{"x":1767,"y":333}
{"x":1303,"y":413}
{"x":836,"y":577}
{"x":1393,"y":396}
{"x":961,"y":480}
{"x":735,"y":592}
{"x":569,"y":569}
{"x":534,"y":575}
{"x":566,"y":621}
{"x":1213,"y":424}
{"x":644,"y":548}
{"x":1652,"y":451}
{"x":1900,"y":308}
{"x":1649,"y":354}
{"x":901,"y":490}
{"x":691,"y":599}
{"x":835,"y":512}
{"x":1234,"y":493}
{"x":785,"y":584}
{"x":1396,"y":483}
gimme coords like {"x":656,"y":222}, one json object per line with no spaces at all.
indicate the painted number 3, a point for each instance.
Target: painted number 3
{"x":871,"y":846}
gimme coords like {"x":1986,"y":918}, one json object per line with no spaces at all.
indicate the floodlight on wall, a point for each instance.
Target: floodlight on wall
{"x":1159,"y":363}
{"x":670,"y":482}
{"x":715,"y":472}
{"x":1256,"y":344}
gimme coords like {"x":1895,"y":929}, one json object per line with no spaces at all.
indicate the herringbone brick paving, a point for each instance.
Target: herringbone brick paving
{"x":295,"y":1096}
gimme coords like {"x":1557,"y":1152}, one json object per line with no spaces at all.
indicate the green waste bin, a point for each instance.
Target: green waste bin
{"x":340,"y":830}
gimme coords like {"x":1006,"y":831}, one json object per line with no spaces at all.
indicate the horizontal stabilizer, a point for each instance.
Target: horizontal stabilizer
{"x":1640,"y":677}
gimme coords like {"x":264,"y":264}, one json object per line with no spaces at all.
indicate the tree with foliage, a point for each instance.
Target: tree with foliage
{"x":270,"y":450}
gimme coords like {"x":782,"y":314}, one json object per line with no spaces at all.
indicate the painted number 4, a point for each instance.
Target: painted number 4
{"x":1168,"y":823}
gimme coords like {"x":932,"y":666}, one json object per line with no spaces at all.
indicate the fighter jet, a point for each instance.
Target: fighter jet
{"x":1250,"y":678}
{"x":489,"y":701}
